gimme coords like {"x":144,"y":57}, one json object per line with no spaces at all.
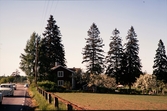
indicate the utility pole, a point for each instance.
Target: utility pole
{"x":0,"y":58}
{"x":36,"y":60}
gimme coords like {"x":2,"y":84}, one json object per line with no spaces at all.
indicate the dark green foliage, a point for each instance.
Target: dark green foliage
{"x":51,"y":49}
{"x":123,"y":69}
{"x":47,"y":85}
{"x":92,"y":52}
{"x":132,"y":60}
{"x":105,"y":90}
{"x":114,"y":56}
{"x":13,"y":79}
{"x":27,"y":63}
{"x":127,"y":91}
{"x":50,"y":86}
{"x":160,"y":63}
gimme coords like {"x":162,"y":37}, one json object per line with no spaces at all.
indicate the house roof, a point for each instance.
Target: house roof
{"x":56,"y":67}
{"x":74,"y":69}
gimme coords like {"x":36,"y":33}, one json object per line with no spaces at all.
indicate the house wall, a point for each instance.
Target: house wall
{"x":67,"y":74}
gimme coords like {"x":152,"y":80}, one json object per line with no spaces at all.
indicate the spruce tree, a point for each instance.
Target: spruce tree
{"x":93,"y":52}
{"x":160,"y":63}
{"x":51,"y":49}
{"x":133,"y":65}
{"x":114,"y":56}
{"x":123,"y":69}
{"x":27,"y":63}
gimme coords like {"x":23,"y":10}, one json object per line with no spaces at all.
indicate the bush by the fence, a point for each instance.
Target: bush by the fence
{"x":50,"y":86}
{"x":126,"y":91}
{"x":105,"y":90}
{"x":47,"y":85}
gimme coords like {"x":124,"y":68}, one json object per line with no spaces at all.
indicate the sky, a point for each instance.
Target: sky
{"x":20,"y":18}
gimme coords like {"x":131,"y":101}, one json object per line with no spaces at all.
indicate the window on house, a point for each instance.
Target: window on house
{"x":60,"y":82}
{"x":60,"y":74}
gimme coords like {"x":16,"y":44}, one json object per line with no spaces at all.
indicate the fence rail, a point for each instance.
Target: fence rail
{"x":48,"y":96}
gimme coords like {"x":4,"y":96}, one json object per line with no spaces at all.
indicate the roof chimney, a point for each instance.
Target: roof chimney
{"x":57,"y":63}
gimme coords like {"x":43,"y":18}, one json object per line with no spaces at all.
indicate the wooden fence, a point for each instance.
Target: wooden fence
{"x":48,"y":96}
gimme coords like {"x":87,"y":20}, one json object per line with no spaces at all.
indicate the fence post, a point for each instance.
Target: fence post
{"x":56,"y":102}
{"x":40,"y":91}
{"x":43,"y":92}
{"x":69,"y":107}
{"x":37,"y":89}
{"x":49,"y":97}
{"x":46,"y":95}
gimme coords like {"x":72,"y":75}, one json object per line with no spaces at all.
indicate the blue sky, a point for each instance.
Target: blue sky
{"x":19,"y":19}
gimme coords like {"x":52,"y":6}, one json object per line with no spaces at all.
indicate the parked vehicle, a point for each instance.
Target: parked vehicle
{"x":1,"y":97}
{"x":26,"y":85}
{"x":14,"y":86}
{"x":119,"y":87}
{"x":7,"y":88}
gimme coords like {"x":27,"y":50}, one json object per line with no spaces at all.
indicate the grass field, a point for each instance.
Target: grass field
{"x":94,"y":101}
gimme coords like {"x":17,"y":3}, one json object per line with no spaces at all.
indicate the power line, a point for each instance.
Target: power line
{"x":44,"y":14}
{"x":51,"y":6}
{"x":55,"y":6}
{"x":48,"y":8}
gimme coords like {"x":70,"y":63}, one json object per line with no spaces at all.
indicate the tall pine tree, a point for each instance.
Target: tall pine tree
{"x":133,"y":68}
{"x":160,"y":63}
{"x":51,"y":49}
{"x":93,"y":52}
{"x":114,"y":56}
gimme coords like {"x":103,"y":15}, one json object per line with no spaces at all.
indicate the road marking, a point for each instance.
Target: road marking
{"x":24,"y":99}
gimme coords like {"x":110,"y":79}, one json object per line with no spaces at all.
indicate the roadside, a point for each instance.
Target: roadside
{"x":30,"y":102}
{"x":36,"y":101}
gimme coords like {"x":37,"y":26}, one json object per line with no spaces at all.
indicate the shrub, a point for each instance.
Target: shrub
{"x":50,"y":86}
{"x":60,"y":89}
{"x":149,"y":85}
{"x":47,"y":85}
{"x":102,"y":80}
{"x":105,"y":90}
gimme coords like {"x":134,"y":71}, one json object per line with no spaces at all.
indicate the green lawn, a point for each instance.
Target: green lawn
{"x":96,"y":101}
